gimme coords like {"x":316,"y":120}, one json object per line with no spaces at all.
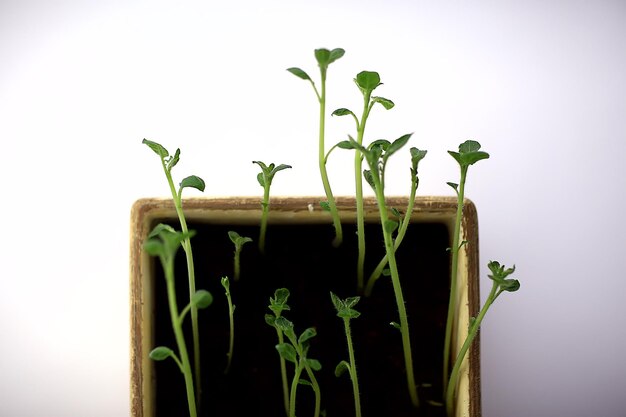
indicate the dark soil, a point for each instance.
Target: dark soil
{"x":301,"y":259}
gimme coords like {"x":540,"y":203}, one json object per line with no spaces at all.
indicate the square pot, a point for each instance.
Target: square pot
{"x":299,"y":256}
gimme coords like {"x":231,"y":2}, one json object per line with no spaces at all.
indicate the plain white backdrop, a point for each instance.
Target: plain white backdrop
{"x":541,"y":84}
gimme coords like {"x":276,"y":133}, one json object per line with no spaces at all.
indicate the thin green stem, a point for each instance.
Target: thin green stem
{"x":294,"y":389}
{"x":473,"y":331}
{"x":397,"y":241}
{"x":322,"y":164}
{"x":358,"y":180}
{"x":231,"y":344}
{"x":353,"y":374}
{"x":397,"y":289}
{"x":264,"y":216}
{"x":186,"y":244}
{"x":452,"y":304}
{"x":316,"y":390}
{"x":237,"y":264}
{"x":180,"y":338}
{"x":283,"y":372}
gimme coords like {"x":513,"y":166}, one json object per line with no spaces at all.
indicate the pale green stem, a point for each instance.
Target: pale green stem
{"x":237,"y":263}
{"x":231,"y":314}
{"x":397,"y":289}
{"x":452,"y":304}
{"x":397,"y":241}
{"x":186,"y":244}
{"x":264,"y":216}
{"x":294,"y":388}
{"x":322,"y":165}
{"x":358,"y":179}
{"x":283,"y":372}
{"x":178,"y":333}
{"x":316,"y":390}
{"x":473,"y":331}
{"x":353,"y":374}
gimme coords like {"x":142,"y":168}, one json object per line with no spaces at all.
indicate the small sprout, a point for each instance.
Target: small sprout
{"x":345,"y":310}
{"x":161,"y":353}
{"x":278,"y":304}
{"x":238,"y":241}
{"x":231,"y":316}
{"x":265,"y":178}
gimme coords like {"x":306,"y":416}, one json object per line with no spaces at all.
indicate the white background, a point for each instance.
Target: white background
{"x":541,"y":84}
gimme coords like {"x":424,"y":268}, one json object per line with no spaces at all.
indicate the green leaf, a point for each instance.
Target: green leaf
{"x":397,"y":144}
{"x":262,"y":165}
{"x":234,"y":236}
{"x":192,"y":181}
{"x":161,"y":353}
{"x":342,"y":112}
{"x":313,"y":364}
{"x":279,"y":168}
{"x":416,"y":156}
{"x":325,"y":205}
{"x":285,"y":326}
{"x":379,"y":144}
{"x":337,"y":302}
{"x":299,"y":73}
{"x":456,"y":156}
{"x":161,"y":227}
{"x":510,"y":285}
{"x":348,"y":313}
{"x":173,"y":160}
{"x":307,"y":335}
{"x":473,"y":157}
{"x":153,"y":247}
{"x":158,"y":149}
{"x":271,"y":320}
{"x":454,"y":186}
{"x":225,"y":283}
{"x":335,"y":54}
{"x":352,"y":301}
{"x":261,"y":179}
{"x":367,"y":81}
{"x":395,"y":325}
{"x":396,"y":212}
{"x":386,"y":272}
{"x":280,"y":299}
{"x":287,"y":352}
{"x":367,"y":174}
{"x":341,"y":368}
{"x":469,"y":146}
{"x":345,"y":144}
{"x":323,"y":57}
{"x":390,"y":226}
{"x":386,"y":103}
{"x":202,"y":298}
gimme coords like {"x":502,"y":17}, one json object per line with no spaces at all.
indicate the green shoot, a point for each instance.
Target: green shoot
{"x":367,"y":82}
{"x":238,"y":241}
{"x":164,"y":242}
{"x":501,"y":283}
{"x":265,"y":178}
{"x":324,"y":58}
{"x":377,"y":155}
{"x":278,"y":304}
{"x":346,"y":311}
{"x":469,"y":153}
{"x":168,"y":162}
{"x":231,"y":315}
{"x":416,"y":156}
{"x":296,"y":351}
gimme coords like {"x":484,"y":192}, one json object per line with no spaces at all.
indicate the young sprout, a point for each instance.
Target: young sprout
{"x":377,"y":155}
{"x":501,"y":283}
{"x":265,"y":178}
{"x":469,"y":153}
{"x":296,"y":351}
{"x":238,"y":241}
{"x":346,"y":311}
{"x":168,"y":162}
{"x":278,"y":304}
{"x":416,"y":156}
{"x":367,"y":82}
{"x":164,"y":242}
{"x":231,"y":314}
{"x":324,"y":58}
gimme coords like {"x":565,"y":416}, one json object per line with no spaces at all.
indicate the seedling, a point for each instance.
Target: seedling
{"x":324,"y":58}
{"x":164,"y":242}
{"x":501,"y":283}
{"x":231,"y":316}
{"x":367,"y":82}
{"x":377,"y":155}
{"x":469,"y":153}
{"x":278,"y":304}
{"x":296,"y":351}
{"x":346,"y":311}
{"x":416,"y":156}
{"x":238,"y":241}
{"x":265,"y":178}
{"x":168,"y":162}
